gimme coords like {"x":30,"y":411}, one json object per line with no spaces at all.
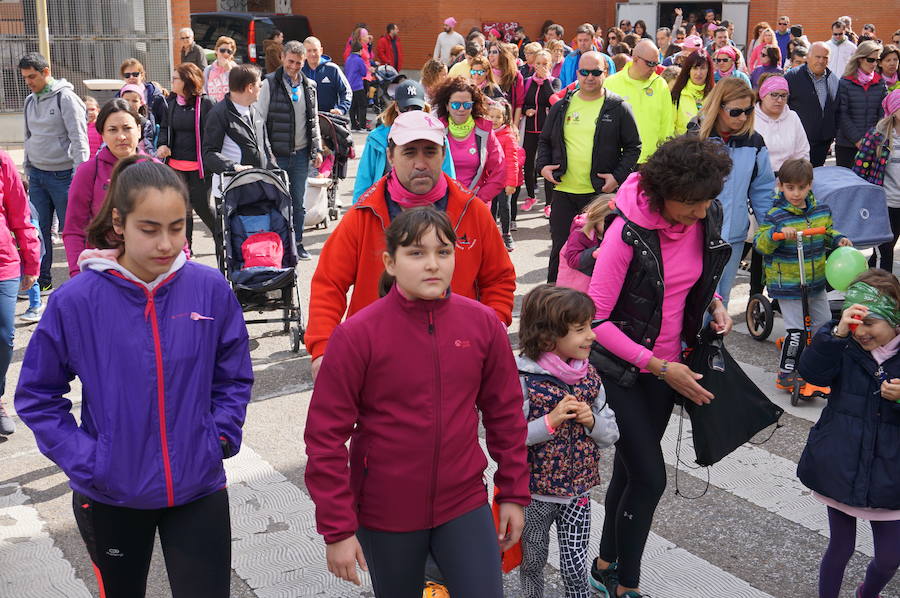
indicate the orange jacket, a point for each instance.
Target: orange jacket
{"x":352,"y":254}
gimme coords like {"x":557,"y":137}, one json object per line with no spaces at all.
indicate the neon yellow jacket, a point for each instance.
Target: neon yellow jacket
{"x":651,"y":103}
{"x":688,"y":106}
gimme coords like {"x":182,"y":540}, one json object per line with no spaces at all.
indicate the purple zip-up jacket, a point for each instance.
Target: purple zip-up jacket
{"x":166,"y":378}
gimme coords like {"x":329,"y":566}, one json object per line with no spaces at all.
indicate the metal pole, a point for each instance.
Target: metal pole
{"x":43,"y":28}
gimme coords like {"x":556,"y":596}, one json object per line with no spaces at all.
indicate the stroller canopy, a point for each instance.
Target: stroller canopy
{"x":858,"y":208}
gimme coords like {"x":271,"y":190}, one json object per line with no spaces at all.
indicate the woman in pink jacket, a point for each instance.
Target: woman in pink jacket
{"x":405,"y":379}
{"x":120,"y":128}
{"x":477,"y":154}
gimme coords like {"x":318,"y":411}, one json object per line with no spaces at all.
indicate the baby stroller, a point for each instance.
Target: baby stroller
{"x":321,"y":193}
{"x":386,"y":79}
{"x":259,"y":252}
{"x":858,"y":210}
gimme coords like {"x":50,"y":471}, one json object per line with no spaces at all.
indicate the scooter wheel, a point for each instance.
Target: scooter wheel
{"x":759,"y":317}
{"x":795,"y":394}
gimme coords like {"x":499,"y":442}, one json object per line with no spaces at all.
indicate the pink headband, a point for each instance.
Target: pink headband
{"x":891,"y":102}
{"x":773,"y":84}
{"x":138,"y":89}
{"x":727,"y":50}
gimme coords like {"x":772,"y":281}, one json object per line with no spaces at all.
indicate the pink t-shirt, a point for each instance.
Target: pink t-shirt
{"x":465,"y":158}
{"x":217,"y":82}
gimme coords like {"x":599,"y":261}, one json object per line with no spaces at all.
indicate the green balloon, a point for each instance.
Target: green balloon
{"x":843,"y":266}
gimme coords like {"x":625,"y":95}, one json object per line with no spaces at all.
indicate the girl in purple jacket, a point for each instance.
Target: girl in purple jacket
{"x":161,"y":349}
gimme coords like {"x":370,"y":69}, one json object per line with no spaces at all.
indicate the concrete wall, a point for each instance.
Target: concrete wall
{"x":12,"y":128}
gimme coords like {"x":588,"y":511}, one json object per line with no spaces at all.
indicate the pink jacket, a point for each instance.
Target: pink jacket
{"x":405,"y":381}
{"x":491,"y":181}
{"x":508,"y":141}
{"x":95,"y":140}
{"x":570,"y":256}
{"x":20,"y":246}
{"x":682,"y":255}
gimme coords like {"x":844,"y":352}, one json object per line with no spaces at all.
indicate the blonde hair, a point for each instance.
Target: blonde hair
{"x":433,"y":72}
{"x":390,"y":114}
{"x":726,"y":90}
{"x":533,"y":47}
{"x":595,"y":214}
{"x":224,"y":40}
{"x":885,"y":126}
{"x":485,"y":65}
{"x":545,"y":53}
{"x":862,"y":50}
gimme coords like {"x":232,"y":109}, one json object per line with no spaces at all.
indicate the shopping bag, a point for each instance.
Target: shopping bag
{"x":511,"y":558}
{"x":738,"y":411}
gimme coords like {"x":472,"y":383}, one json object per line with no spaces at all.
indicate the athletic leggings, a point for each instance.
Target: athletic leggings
{"x":500,"y":208}
{"x":573,"y":530}
{"x":198,"y":191}
{"x":639,"y":472}
{"x":841,"y":546}
{"x":465,"y":549}
{"x":195,"y":538}
{"x":530,"y":144}
{"x":885,"y":251}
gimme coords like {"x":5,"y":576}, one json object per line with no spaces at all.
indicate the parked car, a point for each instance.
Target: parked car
{"x":249,"y":31}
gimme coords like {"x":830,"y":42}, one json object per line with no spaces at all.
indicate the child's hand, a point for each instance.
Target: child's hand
{"x":342,"y":558}
{"x":564,"y":411}
{"x":789,"y":232}
{"x":851,"y":318}
{"x":585,"y":416}
{"x":890,"y":389}
{"x":509,"y":190}
{"x":845,"y":242}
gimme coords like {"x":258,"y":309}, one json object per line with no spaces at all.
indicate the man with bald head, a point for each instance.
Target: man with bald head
{"x":813,"y":96}
{"x":588,"y":146}
{"x":648,"y":95}
{"x":332,"y":88}
{"x":190,"y":51}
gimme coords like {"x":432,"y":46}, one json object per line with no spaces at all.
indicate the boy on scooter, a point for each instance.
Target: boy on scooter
{"x":795,"y":209}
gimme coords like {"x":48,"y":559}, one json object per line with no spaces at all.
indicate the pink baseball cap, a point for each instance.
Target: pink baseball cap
{"x":414,"y":125}
{"x":692,"y":41}
{"x":495,"y":33}
{"x":450,"y":22}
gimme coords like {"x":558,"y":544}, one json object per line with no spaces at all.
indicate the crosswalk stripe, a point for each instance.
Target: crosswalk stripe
{"x":762,"y":478}
{"x":31,"y":566}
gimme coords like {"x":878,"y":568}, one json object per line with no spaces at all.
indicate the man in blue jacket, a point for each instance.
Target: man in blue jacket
{"x":813,"y":96}
{"x":332,"y":89}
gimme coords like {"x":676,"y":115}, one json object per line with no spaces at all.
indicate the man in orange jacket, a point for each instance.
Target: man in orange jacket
{"x":352,"y":255}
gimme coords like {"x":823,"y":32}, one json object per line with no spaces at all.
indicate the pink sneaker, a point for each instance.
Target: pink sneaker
{"x":528,"y":203}
{"x":547,"y":212}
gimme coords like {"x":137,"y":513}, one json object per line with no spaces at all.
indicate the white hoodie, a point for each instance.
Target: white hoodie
{"x":784,"y":136}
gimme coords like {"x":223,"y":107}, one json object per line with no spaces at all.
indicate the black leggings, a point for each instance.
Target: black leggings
{"x":358,"y":106}
{"x":565,"y":207}
{"x":195,"y":538}
{"x":198,"y":191}
{"x":500,"y":208}
{"x":639,"y":472}
{"x":886,"y":250}
{"x":530,"y":144}
{"x":465,"y":549}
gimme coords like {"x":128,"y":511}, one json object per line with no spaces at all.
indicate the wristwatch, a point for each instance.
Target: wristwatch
{"x":834,"y":333}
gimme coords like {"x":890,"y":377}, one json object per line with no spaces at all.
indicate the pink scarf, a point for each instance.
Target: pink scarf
{"x":885,"y":352}
{"x":407,"y":199}
{"x":571,"y":372}
{"x":863,"y":77}
{"x":538,"y":80}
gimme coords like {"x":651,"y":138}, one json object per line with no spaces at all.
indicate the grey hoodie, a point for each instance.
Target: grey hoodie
{"x":55,"y":129}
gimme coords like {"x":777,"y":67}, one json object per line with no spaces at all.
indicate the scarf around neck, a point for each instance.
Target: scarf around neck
{"x":863,"y":77}
{"x":571,"y":372}
{"x":885,"y":352}
{"x":889,"y":80}
{"x":407,"y":199}
{"x":461,"y":131}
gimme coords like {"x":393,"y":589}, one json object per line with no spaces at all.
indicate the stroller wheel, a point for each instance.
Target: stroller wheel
{"x":296,"y":338}
{"x":795,"y":393}
{"x":759,"y":317}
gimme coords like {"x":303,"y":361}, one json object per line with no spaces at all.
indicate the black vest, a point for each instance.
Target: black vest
{"x":280,"y":118}
{"x":638,"y":311}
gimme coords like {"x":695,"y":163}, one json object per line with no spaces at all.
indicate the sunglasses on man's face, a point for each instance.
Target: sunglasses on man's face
{"x":652,"y":64}
{"x":736,"y":112}
{"x":133,"y":75}
{"x":477,"y":71}
{"x":461,"y":105}
{"x":783,"y":24}
{"x":588,"y":72}
{"x":226,"y":51}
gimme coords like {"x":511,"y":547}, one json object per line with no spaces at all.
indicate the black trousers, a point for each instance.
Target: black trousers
{"x":565,"y":207}
{"x":818,"y":151}
{"x":500,"y":209}
{"x":358,"y":106}
{"x":844,"y":155}
{"x":885,"y":253}
{"x":530,"y":144}
{"x":195,"y":538}
{"x":198,"y":192}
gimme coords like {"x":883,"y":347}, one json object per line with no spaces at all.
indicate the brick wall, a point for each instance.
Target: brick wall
{"x":181,"y":17}
{"x":817,"y":18}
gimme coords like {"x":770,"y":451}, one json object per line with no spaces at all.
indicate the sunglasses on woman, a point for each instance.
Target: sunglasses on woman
{"x":720,"y":60}
{"x":461,"y":105}
{"x":133,"y":75}
{"x":870,"y":60}
{"x":477,"y":71}
{"x":226,"y":51}
{"x":736,"y":112}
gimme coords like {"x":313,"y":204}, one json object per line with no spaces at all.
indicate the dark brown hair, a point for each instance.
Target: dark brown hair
{"x":124,"y":193}
{"x":773,"y":52}
{"x":408,"y":229}
{"x":692,"y":60}
{"x":242,"y":76}
{"x":448,"y":88}
{"x":685,"y":169}
{"x":882,"y":280}
{"x":797,"y":171}
{"x":117,"y":105}
{"x":191,"y":79}
{"x":547,"y":313}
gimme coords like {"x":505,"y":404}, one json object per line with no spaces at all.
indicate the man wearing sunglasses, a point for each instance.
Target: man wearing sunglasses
{"x":190,"y":50}
{"x":648,"y":95}
{"x":840,"y":48}
{"x":783,"y":34}
{"x":588,"y":146}
{"x":287,"y":104}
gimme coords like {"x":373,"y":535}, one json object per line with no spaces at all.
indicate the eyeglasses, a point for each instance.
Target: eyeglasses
{"x":736,"y":112}
{"x":477,"y":71}
{"x":779,"y":96}
{"x":225,"y":51}
{"x":870,"y":60}
{"x":782,"y":23}
{"x":461,"y":105}
{"x":652,"y":64}
{"x":588,"y":72}
{"x":133,"y":75}
{"x":722,"y":60}
{"x":410,"y":108}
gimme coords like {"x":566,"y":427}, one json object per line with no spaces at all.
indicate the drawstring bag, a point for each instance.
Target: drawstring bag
{"x":736,"y":414}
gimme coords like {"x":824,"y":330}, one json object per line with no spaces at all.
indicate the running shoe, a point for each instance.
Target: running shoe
{"x":513,"y":227}
{"x":46,"y":289}
{"x":547,"y":212}
{"x":859,"y":592}
{"x":7,"y":425}
{"x":32,"y":314}
{"x":606,"y":580}
{"x":785,"y":381}
{"x":529,"y":203}
{"x":508,"y":242}
{"x":435,"y":590}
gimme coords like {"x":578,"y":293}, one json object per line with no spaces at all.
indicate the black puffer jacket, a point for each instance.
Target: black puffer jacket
{"x":638,"y":311}
{"x":617,"y":144}
{"x":280,"y":115}
{"x":223,"y":119}
{"x":858,"y":108}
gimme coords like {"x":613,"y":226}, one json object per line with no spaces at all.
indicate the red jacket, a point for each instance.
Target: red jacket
{"x":384,"y":53}
{"x":402,"y":379}
{"x":20,"y":247}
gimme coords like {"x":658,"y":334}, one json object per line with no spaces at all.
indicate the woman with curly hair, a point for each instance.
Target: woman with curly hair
{"x":476,"y":151}
{"x":433,"y":74}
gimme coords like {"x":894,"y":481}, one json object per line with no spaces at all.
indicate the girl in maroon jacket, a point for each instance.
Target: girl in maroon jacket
{"x":404,"y":379}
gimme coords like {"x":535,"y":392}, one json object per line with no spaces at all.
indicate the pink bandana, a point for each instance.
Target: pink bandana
{"x":863,"y":77}
{"x":773,"y":84}
{"x":891,"y":102}
{"x":407,"y":199}
{"x":571,"y":372}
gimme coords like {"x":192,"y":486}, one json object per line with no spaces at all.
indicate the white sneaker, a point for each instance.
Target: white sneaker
{"x":32,"y":314}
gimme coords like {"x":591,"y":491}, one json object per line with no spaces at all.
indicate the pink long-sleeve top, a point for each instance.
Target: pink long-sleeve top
{"x":682,"y":257}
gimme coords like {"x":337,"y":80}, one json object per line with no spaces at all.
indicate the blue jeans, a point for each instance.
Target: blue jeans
{"x":730,"y":272}
{"x":49,"y":192}
{"x":9,"y":290}
{"x":297,"y":167}
{"x":34,"y":293}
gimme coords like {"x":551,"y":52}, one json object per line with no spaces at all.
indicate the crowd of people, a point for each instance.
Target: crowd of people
{"x":659,"y":155}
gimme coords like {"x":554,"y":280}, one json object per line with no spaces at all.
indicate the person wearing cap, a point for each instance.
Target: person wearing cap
{"x":779,"y":126}
{"x":588,"y":146}
{"x":691,"y":44}
{"x":813,"y":96}
{"x":446,"y":40}
{"x":725,"y":60}
{"x":351,"y":257}
{"x":373,"y":164}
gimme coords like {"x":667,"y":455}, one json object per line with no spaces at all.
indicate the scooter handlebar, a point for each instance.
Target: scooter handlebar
{"x":821,"y":230}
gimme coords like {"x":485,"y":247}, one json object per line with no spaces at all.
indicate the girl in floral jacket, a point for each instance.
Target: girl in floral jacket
{"x":568,"y":423}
